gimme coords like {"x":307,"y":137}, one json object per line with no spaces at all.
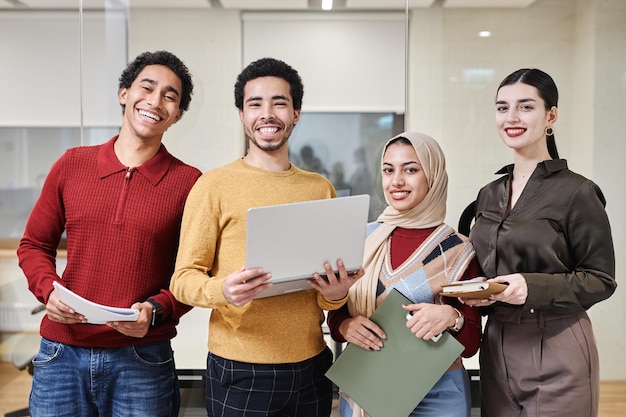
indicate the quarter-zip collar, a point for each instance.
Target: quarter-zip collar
{"x":154,"y":169}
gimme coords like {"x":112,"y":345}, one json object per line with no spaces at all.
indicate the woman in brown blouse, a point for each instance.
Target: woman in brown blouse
{"x":543,"y":229}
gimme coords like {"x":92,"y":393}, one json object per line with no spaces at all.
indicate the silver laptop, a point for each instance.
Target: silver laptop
{"x":292,"y":241}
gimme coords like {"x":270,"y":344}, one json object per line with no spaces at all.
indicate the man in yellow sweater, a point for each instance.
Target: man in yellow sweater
{"x":267,"y":357}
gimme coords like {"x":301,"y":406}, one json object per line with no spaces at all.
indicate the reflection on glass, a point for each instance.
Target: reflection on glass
{"x":345,"y":148}
{"x":26,"y":157}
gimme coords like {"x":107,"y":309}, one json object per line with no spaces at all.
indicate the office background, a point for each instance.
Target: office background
{"x":368,"y":72}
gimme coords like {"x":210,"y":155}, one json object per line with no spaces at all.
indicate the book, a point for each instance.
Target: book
{"x":392,"y":381}
{"x":472,"y":289}
{"x":95,"y":313}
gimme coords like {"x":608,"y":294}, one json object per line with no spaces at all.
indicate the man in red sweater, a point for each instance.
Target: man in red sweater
{"x":120,"y":204}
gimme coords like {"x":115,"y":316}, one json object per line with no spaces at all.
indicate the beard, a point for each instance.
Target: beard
{"x":271,"y":146}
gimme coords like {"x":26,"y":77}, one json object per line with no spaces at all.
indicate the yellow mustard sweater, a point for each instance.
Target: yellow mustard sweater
{"x":281,"y":329}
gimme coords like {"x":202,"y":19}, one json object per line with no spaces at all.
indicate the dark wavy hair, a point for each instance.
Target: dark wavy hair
{"x":160,"y":58}
{"x":546,"y":87}
{"x":270,"y":67}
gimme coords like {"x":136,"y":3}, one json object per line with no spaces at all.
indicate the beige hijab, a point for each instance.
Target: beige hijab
{"x":430,"y":212}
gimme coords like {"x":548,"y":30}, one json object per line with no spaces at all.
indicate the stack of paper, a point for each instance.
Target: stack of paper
{"x":95,"y":313}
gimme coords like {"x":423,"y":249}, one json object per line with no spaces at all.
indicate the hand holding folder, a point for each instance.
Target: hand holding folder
{"x":392,"y":381}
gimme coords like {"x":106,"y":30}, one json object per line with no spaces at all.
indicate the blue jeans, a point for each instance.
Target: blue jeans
{"x":119,"y":382}
{"x":450,"y":397}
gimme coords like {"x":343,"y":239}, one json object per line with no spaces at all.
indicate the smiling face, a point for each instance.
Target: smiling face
{"x":522,"y":119}
{"x":403,"y":178}
{"x":268,"y":115}
{"x":151,"y":103}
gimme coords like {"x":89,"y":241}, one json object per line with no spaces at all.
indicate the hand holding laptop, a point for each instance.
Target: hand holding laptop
{"x":293,"y":241}
{"x":241,"y":287}
{"x":335,"y":286}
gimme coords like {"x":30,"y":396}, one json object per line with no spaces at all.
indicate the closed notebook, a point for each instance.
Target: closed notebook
{"x":472,"y":289}
{"x":392,"y":381}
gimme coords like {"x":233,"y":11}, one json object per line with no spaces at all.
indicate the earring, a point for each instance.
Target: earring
{"x":549,"y":131}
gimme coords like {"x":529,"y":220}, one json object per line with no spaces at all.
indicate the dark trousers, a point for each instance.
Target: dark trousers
{"x":238,"y":389}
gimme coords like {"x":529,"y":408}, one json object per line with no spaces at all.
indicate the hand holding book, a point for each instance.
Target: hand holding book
{"x":472,"y":289}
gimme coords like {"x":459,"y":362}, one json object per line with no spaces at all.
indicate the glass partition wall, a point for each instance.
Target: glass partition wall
{"x":60,"y":68}
{"x":63,"y":64}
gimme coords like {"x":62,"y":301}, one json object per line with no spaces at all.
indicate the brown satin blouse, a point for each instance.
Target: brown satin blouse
{"x":557,"y":236}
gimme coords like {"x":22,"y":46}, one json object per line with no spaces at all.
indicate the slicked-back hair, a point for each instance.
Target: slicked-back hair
{"x":547,"y":90}
{"x":270,"y":67}
{"x":164,"y":58}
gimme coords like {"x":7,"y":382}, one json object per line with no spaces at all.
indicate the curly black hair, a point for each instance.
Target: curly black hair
{"x":270,"y":67}
{"x":160,"y":58}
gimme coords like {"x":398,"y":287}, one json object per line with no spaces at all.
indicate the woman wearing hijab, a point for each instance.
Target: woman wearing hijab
{"x":410,"y":248}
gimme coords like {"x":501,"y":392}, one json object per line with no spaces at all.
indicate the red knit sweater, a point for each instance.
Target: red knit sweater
{"x":122,"y":228}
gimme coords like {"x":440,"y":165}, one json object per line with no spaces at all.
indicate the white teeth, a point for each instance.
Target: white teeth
{"x":515,"y":131}
{"x":400,"y":193}
{"x":268,"y":130}
{"x":149,"y":115}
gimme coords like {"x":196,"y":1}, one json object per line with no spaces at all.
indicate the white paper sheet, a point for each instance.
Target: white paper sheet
{"x":95,"y":313}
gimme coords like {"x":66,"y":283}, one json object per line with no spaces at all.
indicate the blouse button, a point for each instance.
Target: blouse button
{"x":532,"y":311}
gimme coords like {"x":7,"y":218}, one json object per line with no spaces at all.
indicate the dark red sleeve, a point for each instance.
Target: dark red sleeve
{"x":334,"y":320}
{"x":37,"y":250}
{"x":471,"y":333}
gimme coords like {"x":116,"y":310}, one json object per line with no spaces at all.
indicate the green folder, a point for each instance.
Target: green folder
{"x":392,"y":381}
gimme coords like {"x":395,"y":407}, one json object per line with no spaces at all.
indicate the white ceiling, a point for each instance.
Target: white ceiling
{"x":261,"y":4}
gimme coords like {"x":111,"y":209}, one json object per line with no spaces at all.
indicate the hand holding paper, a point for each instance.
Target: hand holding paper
{"x":95,"y":313}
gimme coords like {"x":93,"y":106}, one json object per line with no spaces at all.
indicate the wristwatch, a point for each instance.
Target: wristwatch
{"x":157,"y":313}
{"x":458,"y":322}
